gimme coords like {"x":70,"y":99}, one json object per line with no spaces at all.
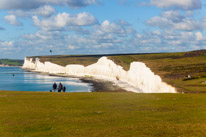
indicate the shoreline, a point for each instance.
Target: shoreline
{"x":100,"y":85}
{"x":97,"y":85}
{"x":9,"y":66}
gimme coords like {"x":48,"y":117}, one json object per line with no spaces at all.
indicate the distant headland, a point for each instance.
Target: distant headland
{"x":10,"y":62}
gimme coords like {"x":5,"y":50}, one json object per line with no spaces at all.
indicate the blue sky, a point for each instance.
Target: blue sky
{"x":33,"y":27}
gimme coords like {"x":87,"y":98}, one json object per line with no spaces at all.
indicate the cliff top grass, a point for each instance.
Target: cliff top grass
{"x":101,"y":114}
{"x":85,"y":60}
{"x":173,"y":68}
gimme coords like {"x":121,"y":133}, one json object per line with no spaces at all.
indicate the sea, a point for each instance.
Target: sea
{"x":18,"y":79}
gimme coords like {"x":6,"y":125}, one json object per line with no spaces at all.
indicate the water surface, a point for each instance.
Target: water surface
{"x":17,"y":79}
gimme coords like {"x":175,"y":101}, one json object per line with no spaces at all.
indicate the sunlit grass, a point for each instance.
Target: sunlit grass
{"x":101,"y":114}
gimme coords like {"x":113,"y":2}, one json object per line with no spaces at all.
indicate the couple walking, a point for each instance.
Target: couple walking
{"x":60,"y":87}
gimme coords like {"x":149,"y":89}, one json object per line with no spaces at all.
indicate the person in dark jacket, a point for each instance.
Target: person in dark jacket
{"x":54,"y":86}
{"x":60,"y":87}
{"x":64,"y":89}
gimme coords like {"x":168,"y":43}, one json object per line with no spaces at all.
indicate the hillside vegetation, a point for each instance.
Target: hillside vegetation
{"x":174,"y":68}
{"x":11,"y":62}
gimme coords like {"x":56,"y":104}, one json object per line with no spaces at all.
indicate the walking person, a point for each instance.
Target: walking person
{"x":60,"y":87}
{"x":54,"y":86}
{"x":64,"y":89}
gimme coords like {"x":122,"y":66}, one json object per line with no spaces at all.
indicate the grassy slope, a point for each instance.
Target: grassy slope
{"x":101,"y":114}
{"x":11,"y":62}
{"x":172,"y":67}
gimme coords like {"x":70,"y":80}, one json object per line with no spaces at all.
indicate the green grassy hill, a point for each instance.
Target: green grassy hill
{"x":11,"y":62}
{"x":41,"y":114}
{"x":172,"y":67}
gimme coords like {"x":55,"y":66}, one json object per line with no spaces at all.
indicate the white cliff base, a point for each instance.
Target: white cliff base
{"x":139,"y":78}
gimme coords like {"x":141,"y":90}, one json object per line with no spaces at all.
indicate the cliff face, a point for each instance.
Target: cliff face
{"x":29,"y":64}
{"x":138,"y":79}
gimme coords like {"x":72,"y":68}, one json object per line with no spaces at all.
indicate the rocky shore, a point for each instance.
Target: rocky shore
{"x":99,"y":85}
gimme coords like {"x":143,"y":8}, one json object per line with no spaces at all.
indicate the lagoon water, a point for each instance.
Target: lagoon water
{"x":17,"y":79}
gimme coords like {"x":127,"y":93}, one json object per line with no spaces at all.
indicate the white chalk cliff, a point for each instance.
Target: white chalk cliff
{"x":139,"y":78}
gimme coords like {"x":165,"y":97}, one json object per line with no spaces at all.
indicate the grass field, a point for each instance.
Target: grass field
{"x":171,"y":67}
{"x":101,"y":114}
{"x":11,"y":62}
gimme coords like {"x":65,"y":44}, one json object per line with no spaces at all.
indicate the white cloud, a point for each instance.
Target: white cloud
{"x":33,"y":4}
{"x":173,"y":15}
{"x":199,"y":36}
{"x":107,"y":38}
{"x":44,"y":11}
{"x":6,"y":45}
{"x":71,"y":47}
{"x":188,"y":25}
{"x":110,"y":27}
{"x":80,"y":3}
{"x":174,"y":20}
{"x":182,"y":4}
{"x":11,"y":19}
{"x":108,"y":41}
{"x":19,"y":4}
{"x":120,"y":28}
{"x":166,"y":41}
{"x":81,"y":33}
{"x":59,"y":34}
{"x":64,"y":19}
{"x":93,"y":43}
